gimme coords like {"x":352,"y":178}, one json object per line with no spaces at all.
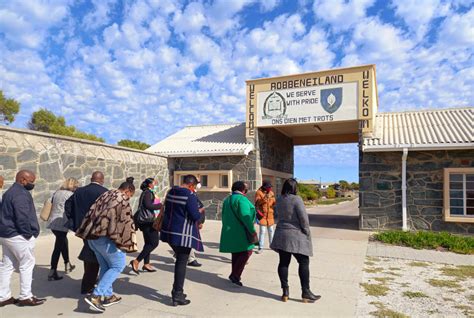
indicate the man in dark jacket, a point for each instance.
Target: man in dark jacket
{"x":76,"y":208}
{"x":18,"y":230}
{"x":180,"y":230}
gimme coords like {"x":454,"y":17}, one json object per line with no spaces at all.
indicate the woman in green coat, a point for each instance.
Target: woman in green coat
{"x":238,"y":216}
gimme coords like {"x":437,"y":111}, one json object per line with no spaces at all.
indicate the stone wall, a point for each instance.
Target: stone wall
{"x":54,"y":158}
{"x":243,"y":168}
{"x":275,"y":150}
{"x":381,"y":194}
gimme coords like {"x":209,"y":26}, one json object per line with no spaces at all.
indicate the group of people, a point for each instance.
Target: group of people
{"x":104,"y":220}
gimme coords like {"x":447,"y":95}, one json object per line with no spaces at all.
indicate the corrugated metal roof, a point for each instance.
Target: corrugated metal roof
{"x":211,"y":140}
{"x":428,"y":129}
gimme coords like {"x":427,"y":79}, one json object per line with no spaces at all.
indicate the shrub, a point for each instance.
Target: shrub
{"x":428,"y":240}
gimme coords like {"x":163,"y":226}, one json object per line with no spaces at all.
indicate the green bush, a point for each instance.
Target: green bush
{"x":331,"y":193}
{"x":428,"y":240}
{"x":307,"y":192}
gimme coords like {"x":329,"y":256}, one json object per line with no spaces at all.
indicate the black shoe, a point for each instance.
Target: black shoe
{"x":53,"y":275}
{"x":286,"y":294}
{"x":95,"y":303}
{"x":179,"y":299}
{"x":194,"y":264}
{"x":134,"y":265}
{"x":309,"y":297}
{"x":68,"y":267}
{"x":235,"y":281}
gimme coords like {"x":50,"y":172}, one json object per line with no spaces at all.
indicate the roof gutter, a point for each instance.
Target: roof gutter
{"x":414,"y":147}
{"x":404,"y":189}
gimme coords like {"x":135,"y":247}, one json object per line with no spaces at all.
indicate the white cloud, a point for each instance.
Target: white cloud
{"x":99,"y":16}
{"x":418,"y":14}
{"x":190,"y":20}
{"x":341,"y":14}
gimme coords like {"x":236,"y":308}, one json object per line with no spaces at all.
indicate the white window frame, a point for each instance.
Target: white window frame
{"x":447,"y":202}
{"x":210,"y":173}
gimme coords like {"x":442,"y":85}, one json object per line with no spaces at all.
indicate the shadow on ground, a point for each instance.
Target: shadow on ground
{"x":344,"y":222}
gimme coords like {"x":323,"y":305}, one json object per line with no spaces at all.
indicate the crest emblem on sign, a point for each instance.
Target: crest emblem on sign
{"x":331,"y":99}
{"x":274,"y":106}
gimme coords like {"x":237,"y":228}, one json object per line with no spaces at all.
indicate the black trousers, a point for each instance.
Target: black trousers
{"x":152,"y":238}
{"x":89,"y":279}
{"x":239,"y":260}
{"x":61,"y":246}
{"x":182,"y":255}
{"x":303,"y":269}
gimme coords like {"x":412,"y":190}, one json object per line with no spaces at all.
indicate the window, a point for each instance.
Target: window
{"x":224,"y":181}
{"x":211,"y":180}
{"x":459,"y":195}
{"x":203,"y":179}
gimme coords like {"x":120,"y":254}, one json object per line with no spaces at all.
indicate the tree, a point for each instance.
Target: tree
{"x":344,"y":185}
{"x":331,"y":193}
{"x":8,"y":109}
{"x":133,"y":144}
{"x":46,"y":121}
{"x":354,"y":186}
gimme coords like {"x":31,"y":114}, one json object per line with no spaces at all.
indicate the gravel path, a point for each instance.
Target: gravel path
{"x":394,"y":287}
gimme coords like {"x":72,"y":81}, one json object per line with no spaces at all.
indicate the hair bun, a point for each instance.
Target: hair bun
{"x":130,"y":180}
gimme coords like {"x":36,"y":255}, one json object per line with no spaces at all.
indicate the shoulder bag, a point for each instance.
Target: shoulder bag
{"x":47,"y":208}
{"x":143,"y":215}
{"x":252,"y":238}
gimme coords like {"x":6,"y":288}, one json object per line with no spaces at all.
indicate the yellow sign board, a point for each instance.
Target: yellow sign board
{"x":345,"y":94}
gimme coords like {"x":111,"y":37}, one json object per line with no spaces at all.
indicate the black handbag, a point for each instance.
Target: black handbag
{"x":252,"y":238}
{"x":143,"y":215}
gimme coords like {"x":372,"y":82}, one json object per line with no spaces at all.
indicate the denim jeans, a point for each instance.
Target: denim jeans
{"x":111,"y":262}
{"x":261,"y":235}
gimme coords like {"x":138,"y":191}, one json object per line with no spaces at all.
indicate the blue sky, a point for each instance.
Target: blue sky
{"x":144,"y":69}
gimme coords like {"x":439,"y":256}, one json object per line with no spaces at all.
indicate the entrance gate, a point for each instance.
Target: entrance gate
{"x":328,"y":107}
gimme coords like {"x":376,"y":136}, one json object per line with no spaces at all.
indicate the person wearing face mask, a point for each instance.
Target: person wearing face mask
{"x":18,"y":230}
{"x":144,"y":219}
{"x":109,"y":230}
{"x":238,"y":235}
{"x":180,"y":229}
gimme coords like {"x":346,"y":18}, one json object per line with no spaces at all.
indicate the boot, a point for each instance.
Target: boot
{"x":286,"y":294}
{"x":308,"y":296}
{"x":68,"y":267}
{"x":53,"y":275}
{"x":178,"y":298}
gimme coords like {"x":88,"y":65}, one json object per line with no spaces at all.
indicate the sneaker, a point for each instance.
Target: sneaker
{"x":112,"y":300}
{"x":95,"y":303}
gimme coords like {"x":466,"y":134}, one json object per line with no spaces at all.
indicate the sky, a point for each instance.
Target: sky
{"x":144,"y":69}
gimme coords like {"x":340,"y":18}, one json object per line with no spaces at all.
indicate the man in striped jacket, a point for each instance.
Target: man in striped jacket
{"x":180,"y":230}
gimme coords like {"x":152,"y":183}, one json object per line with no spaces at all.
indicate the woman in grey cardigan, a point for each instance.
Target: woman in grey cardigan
{"x":57,"y":224}
{"x":293,"y":237}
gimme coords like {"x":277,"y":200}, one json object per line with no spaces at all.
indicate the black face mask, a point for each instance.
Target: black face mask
{"x":29,"y":186}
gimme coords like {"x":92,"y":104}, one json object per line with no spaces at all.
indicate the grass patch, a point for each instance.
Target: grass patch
{"x":405,"y":284}
{"x":467,"y":310}
{"x":384,"y":312}
{"x":411,"y":294}
{"x":375,"y":289}
{"x":373,"y":259}
{"x":471,"y":297}
{"x":333,"y":201}
{"x":394,"y":268}
{"x":393,"y":274}
{"x":383,"y":280}
{"x":418,"y":264}
{"x":428,"y":240}
{"x":369,"y":263}
{"x":461,"y":272}
{"x":373,"y":270}
{"x":448,"y":299}
{"x":443,"y":283}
